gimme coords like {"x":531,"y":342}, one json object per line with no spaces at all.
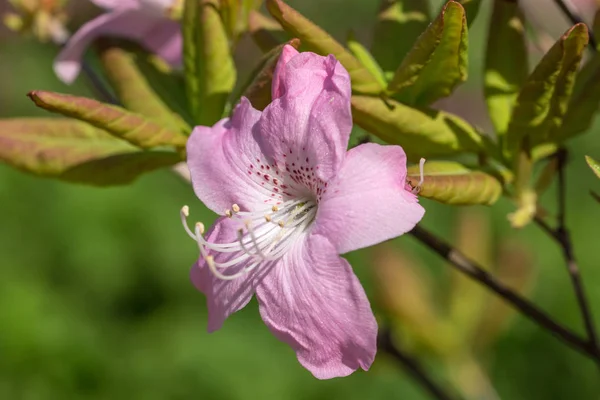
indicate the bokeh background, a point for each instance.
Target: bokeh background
{"x":95,"y":300}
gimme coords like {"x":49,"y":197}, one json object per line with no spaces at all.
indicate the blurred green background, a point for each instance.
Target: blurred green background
{"x":95,"y":300}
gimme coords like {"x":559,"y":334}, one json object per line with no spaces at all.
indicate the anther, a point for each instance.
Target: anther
{"x":200,"y":227}
{"x":281,"y":224}
{"x":274,"y":208}
{"x":235,"y":208}
{"x":421,"y":164}
{"x":267,"y":218}
{"x":228,"y":213}
{"x":185,"y":210}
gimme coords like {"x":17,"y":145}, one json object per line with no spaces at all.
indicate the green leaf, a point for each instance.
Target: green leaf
{"x":75,"y":151}
{"x":585,"y":101}
{"x":133,"y":89}
{"x":124,"y":124}
{"x":399,"y":23}
{"x":542,"y":101}
{"x":437,"y":62}
{"x":234,"y":14}
{"x":258,"y":89}
{"x":266,"y":32}
{"x":421,"y":132}
{"x":210,"y":72}
{"x":366,"y":59}
{"x":453,"y":183}
{"x":594,"y":165}
{"x":506,"y":66}
{"x":317,"y":40}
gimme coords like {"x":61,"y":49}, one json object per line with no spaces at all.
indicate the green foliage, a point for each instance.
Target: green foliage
{"x":134,"y":90}
{"x":399,"y":23}
{"x":506,"y":66}
{"x":543,"y":99}
{"x":471,"y":9}
{"x":75,"y":151}
{"x":317,"y":40}
{"x":421,"y":132}
{"x":209,"y":69}
{"x":124,"y":124}
{"x":363,"y":55}
{"x":453,"y":183}
{"x":437,"y":62}
{"x":594,"y":165}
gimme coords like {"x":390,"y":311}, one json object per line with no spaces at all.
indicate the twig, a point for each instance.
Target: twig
{"x":576,"y":19}
{"x":562,"y":236}
{"x":411,"y":365}
{"x":473,"y":270}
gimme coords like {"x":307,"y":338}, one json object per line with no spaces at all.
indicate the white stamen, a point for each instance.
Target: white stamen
{"x":421,"y":165}
{"x":265,"y":236}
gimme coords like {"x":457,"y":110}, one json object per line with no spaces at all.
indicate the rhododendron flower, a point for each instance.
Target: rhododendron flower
{"x":145,"y":21}
{"x":291,"y":199}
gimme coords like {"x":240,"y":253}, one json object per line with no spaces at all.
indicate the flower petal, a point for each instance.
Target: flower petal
{"x":313,"y":301}
{"x":277,"y":88}
{"x":123,"y":22}
{"x":367,"y":202}
{"x":224,"y":297}
{"x":311,"y":119}
{"x":226,"y":163}
{"x":166,"y":41}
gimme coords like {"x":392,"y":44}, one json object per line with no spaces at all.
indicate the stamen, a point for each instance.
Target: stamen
{"x":267,"y":218}
{"x":274,"y":208}
{"x":421,"y":165}
{"x":235,"y":208}
{"x":417,"y":188}
{"x":228,"y":213}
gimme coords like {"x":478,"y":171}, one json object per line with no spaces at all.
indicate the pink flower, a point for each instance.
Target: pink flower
{"x":292,"y":199}
{"x":145,"y":21}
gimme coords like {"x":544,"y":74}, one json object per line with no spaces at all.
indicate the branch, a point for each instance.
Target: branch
{"x":476,"y":272}
{"x":411,"y":365}
{"x":562,"y":236}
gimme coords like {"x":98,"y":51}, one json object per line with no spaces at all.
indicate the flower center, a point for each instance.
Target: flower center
{"x":263,"y":235}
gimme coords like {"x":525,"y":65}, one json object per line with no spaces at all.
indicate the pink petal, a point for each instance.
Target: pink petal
{"x":122,"y":22}
{"x":277,"y":88}
{"x":367,"y":202}
{"x":166,"y":41}
{"x":313,"y":301}
{"x":312,"y":119}
{"x":226,"y":163}
{"x":224,"y":297}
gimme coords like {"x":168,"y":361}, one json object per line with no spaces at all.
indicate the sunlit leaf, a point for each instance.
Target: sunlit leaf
{"x":505,"y":62}
{"x":422,"y":133}
{"x":366,"y":59}
{"x":399,"y":23}
{"x":594,"y":165}
{"x":124,"y":124}
{"x":453,"y":183}
{"x":437,"y":62}
{"x":133,"y":89}
{"x":208,"y":63}
{"x":317,"y":40}
{"x":266,"y":32}
{"x":542,"y":101}
{"x":75,"y":151}
{"x":258,"y":89}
